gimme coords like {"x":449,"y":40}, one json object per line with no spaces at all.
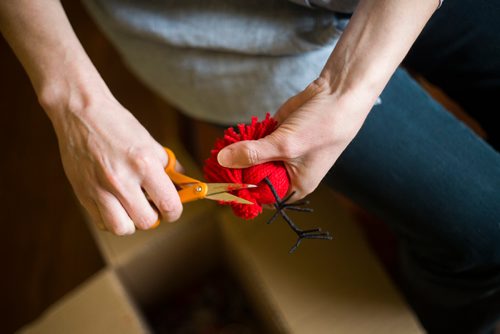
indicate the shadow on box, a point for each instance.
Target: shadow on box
{"x":183,"y":283}
{"x":212,"y":303}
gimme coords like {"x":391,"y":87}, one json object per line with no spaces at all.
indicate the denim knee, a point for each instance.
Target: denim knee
{"x":462,"y":237}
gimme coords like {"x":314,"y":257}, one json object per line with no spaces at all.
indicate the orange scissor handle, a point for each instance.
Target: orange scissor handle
{"x":175,"y":176}
{"x":190,"y":189}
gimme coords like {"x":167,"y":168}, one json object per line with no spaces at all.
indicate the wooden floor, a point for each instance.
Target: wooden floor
{"x":47,"y":248}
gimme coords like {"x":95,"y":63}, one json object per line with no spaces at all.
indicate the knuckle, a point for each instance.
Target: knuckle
{"x":252,"y":154}
{"x":142,"y":161}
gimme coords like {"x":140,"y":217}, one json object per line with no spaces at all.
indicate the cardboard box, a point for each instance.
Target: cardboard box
{"x":333,"y":286}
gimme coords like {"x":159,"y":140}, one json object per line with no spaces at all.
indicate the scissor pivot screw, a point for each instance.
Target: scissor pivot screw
{"x":198,"y":189}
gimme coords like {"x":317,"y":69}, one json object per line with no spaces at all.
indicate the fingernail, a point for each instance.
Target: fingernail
{"x":224,"y":158}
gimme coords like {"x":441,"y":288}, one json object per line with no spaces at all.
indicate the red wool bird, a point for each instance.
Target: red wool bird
{"x":271,"y":178}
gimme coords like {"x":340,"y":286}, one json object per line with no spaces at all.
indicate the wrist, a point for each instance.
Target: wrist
{"x":71,"y":91}
{"x":348,"y":95}
{"x":352,"y":80}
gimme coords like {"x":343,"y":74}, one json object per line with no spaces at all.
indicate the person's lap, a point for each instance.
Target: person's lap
{"x":432,"y":179}
{"x":437,"y":185}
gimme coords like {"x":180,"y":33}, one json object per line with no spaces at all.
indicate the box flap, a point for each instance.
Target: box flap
{"x":100,"y":305}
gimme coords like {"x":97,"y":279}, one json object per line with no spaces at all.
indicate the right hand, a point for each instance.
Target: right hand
{"x":112,"y":161}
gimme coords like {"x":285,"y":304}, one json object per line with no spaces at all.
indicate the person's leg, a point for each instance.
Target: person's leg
{"x":459,"y":51}
{"x":438,"y":187}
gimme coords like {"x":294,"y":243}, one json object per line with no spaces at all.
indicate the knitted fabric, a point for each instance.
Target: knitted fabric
{"x":275,"y":170}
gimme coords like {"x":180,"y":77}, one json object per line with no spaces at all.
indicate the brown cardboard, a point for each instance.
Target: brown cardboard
{"x":334,"y":286}
{"x":187,"y":251}
{"x":100,"y":305}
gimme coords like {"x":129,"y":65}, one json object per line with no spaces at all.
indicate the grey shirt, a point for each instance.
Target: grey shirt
{"x":222,"y":60}
{"x":340,"y":6}
{"x":256,"y":27}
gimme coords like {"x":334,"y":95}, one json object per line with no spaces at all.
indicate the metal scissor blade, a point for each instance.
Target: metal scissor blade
{"x":215,"y":188}
{"x":226,"y":197}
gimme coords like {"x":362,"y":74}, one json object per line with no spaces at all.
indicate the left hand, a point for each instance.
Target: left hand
{"x":315,"y":126}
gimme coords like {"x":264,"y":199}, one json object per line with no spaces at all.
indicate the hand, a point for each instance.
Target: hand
{"x":112,"y":161}
{"x":315,"y":127}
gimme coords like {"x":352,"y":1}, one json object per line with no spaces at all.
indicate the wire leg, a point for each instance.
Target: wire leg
{"x":281,"y":206}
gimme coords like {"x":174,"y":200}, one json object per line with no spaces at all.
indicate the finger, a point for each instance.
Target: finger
{"x":113,"y":215}
{"x":248,"y":153}
{"x":163,"y":193}
{"x":137,"y":206}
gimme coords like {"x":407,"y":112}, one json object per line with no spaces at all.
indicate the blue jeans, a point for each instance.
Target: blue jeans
{"x":431,"y":179}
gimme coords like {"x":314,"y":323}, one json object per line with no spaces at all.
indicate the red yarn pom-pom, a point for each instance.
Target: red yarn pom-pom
{"x":275,"y":171}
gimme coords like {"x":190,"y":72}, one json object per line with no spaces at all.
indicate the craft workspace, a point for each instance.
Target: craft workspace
{"x":241,"y":167}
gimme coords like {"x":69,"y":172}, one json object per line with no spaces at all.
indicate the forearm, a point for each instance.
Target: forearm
{"x":375,"y":42}
{"x":40,"y":34}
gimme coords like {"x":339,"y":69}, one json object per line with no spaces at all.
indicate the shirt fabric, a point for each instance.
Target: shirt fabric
{"x":223,"y":60}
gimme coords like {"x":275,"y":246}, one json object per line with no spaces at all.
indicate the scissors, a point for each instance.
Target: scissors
{"x":190,"y":189}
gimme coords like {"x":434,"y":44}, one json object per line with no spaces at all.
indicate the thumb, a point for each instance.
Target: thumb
{"x":249,"y":153}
